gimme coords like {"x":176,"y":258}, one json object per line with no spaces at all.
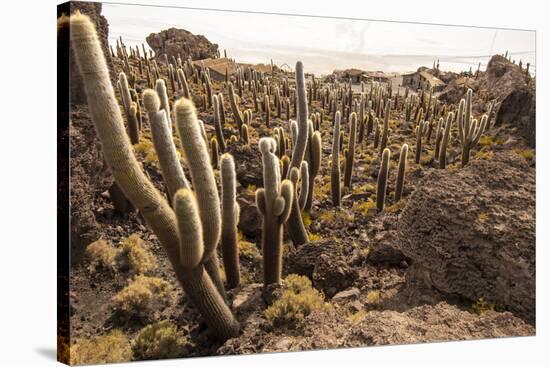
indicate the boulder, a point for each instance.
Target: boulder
{"x":325,"y":263}
{"x":519,"y":108}
{"x":471,"y":232}
{"x":174,"y":42}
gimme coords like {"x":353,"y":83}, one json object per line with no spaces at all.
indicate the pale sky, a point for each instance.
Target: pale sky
{"x":325,"y":44}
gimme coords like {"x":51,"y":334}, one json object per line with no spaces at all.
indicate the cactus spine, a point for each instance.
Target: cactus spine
{"x":350,"y":157}
{"x":335,"y":169}
{"x":274,"y":202}
{"x":230,"y":219}
{"x":137,"y":187}
{"x":401,"y":172}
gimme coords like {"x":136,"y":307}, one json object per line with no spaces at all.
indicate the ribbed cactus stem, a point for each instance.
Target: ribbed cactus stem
{"x":274,"y":202}
{"x":237,"y":116}
{"x":419,"y":133}
{"x":184,"y":84}
{"x":438,"y":136}
{"x":137,"y":187}
{"x":133,"y":124}
{"x":381,"y":183}
{"x":295,"y":224}
{"x":170,"y":166}
{"x":160,"y":87}
{"x":267,"y":110}
{"x":214,"y":153}
{"x":401,"y":172}
{"x":335,"y":169}
{"x":230,"y":219}
{"x":244,"y":134}
{"x":351,"y":150}
{"x":386,"y":128}
{"x":376,"y":133}
{"x":302,"y":137}
{"x":189,"y":227}
{"x":218,"y":124}
{"x":445,"y":141}
{"x":313,"y":157}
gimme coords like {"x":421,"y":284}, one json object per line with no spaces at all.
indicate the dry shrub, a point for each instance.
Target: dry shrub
{"x":140,"y":295}
{"x":113,"y":347}
{"x":136,"y":256}
{"x":102,"y":256}
{"x":159,"y":340}
{"x":298,"y":299}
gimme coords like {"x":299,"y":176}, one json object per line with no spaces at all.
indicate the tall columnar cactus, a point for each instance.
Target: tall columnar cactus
{"x":385,"y":130}
{"x":185,"y":86}
{"x":164,"y":222}
{"x":295,"y":224}
{"x":313,"y":158}
{"x":469,"y":130}
{"x":303,"y":129}
{"x":445,"y":141}
{"x":218,"y":124}
{"x":230,"y":219}
{"x":267,"y":110}
{"x":160,"y":87}
{"x":133,"y":124}
{"x":237,"y":115}
{"x":376,"y":133}
{"x":170,"y":166}
{"x":401,"y":172}
{"x":244,"y":134}
{"x":335,"y":169}
{"x":350,"y":157}
{"x":214,"y":153}
{"x":420,"y":129}
{"x":274,"y":202}
{"x":438,"y":137}
{"x":381,"y":183}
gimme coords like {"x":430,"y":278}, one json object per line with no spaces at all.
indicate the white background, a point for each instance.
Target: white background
{"x":28,"y":183}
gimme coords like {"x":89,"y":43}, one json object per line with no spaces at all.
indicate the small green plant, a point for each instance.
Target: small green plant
{"x":298,"y":299}
{"x":357,"y":317}
{"x":480,"y":306}
{"x":102,"y":256}
{"x":136,"y":256}
{"x":159,"y":340}
{"x":113,"y":347}
{"x":138,"y":297}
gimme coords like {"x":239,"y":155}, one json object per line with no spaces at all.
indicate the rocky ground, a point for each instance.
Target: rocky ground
{"x":454,"y":260}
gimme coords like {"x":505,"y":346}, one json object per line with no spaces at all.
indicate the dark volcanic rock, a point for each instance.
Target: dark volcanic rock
{"x":93,"y":10}
{"x":248,"y":164}
{"x":173,"y":41}
{"x":519,"y":109}
{"x":325,"y":263}
{"x":471,"y":232}
{"x":501,"y":78}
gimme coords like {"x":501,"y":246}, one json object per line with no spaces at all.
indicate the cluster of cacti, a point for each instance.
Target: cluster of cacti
{"x":190,"y":232}
{"x":469,"y":129}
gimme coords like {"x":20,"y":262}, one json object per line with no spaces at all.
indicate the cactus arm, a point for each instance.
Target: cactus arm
{"x":460,"y":121}
{"x":230,"y":216}
{"x":234,"y":108}
{"x":382,"y":180}
{"x":303,"y":128}
{"x":445,"y":141}
{"x":170,"y":166}
{"x":304,"y":184}
{"x":189,"y":227}
{"x":160,"y":87}
{"x":202,"y":175}
{"x":401,"y":172}
{"x":218,"y":123}
{"x":260,"y":201}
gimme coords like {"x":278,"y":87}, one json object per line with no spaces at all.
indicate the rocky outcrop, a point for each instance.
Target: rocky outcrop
{"x":93,"y":10}
{"x":501,"y":78}
{"x":423,"y":324}
{"x":471,"y":233}
{"x":519,"y":109}
{"x":173,"y":41}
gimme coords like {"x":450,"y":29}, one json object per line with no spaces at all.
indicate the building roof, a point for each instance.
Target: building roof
{"x":434,"y":81}
{"x":218,"y":65}
{"x":377,"y":74}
